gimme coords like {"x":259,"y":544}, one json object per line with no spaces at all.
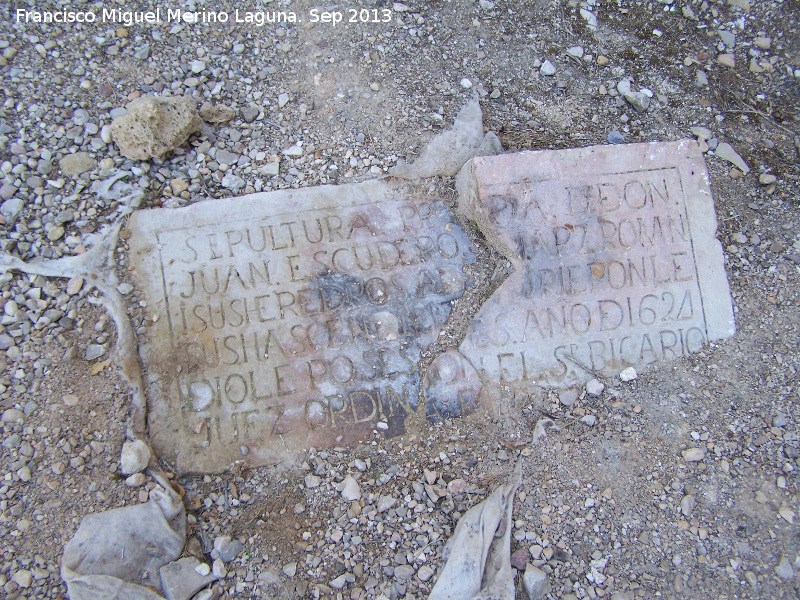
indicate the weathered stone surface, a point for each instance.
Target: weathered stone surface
{"x":448,"y":151}
{"x":155,"y":125}
{"x":73,"y":165}
{"x":452,"y":387}
{"x":216,"y":113}
{"x":615,"y":256}
{"x":134,"y":457}
{"x":290,"y":319}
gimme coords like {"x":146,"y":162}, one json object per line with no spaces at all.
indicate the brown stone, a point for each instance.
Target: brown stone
{"x":289,"y":319}
{"x":726,"y":60}
{"x":152,"y":126}
{"x":615,"y":256}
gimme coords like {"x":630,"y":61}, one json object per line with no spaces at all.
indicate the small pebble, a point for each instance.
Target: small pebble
{"x":537,"y":583}
{"x":693,"y":454}
{"x":135,"y":457}
{"x":767,"y":178}
{"x":23,"y":578}
{"x":784,"y":569}
{"x":218,"y":569}
{"x":726,"y":60}
{"x":136,"y":480}
{"x":594,"y":387}
{"x":351,"y":490}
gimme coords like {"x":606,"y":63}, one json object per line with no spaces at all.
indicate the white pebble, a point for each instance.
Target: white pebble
{"x":576,"y":51}
{"x":135,"y":480}
{"x":547,"y":68}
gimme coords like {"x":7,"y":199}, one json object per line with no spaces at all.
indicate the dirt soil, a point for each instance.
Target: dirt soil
{"x":608,"y":507}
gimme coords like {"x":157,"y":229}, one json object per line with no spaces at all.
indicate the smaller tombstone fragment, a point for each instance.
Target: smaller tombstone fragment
{"x":616,"y":261}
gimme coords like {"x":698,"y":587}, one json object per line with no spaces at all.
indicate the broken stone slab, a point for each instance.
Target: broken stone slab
{"x":275,"y":328}
{"x":616,"y":263}
{"x":180,"y":579}
{"x":152,"y":126}
{"x":446,"y":153}
{"x":117,"y":554}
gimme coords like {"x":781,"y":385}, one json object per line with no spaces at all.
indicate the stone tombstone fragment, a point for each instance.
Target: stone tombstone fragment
{"x":290,"y":319}
{"x":616,"y":263}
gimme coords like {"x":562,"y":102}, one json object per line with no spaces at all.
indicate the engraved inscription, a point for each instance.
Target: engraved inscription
{"x":276,"y":332}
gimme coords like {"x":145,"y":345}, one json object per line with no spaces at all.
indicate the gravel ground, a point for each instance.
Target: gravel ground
{"x":680,"y":483}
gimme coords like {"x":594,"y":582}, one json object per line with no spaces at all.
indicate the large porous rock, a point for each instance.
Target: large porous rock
{"x":153,"y":126}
